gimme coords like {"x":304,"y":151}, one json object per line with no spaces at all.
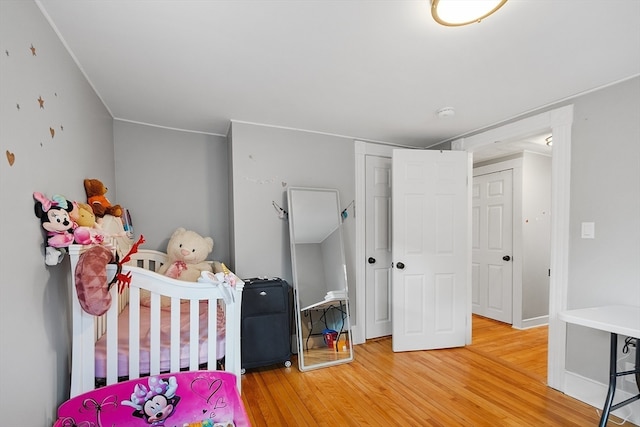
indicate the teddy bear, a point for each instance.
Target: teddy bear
{"x":187,"y":252}
{"x":101,"y":206}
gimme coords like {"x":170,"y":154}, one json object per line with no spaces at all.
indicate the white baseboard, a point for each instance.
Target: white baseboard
{"x":534,"y":322}
{"x":594,"y":393}
{"x":357,"y":334}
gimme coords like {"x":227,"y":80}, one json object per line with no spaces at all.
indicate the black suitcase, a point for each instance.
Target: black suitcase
{"x":265,"y":329}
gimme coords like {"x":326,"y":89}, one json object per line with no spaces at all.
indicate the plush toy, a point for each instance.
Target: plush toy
{"x":112,"y":227}
{"x":55,"y":219}
{"x":88,"y":231}
{"x":83,"y":215}
{"x":101,"y":206}
{"x":186,"y":255}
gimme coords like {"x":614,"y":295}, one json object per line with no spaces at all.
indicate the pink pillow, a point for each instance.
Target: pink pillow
{"x":91,"y":280}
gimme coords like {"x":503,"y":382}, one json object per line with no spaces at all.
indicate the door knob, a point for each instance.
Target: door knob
{"x":400,"y":265}
{"x":371,"y":260}
{"x":506,"y":258}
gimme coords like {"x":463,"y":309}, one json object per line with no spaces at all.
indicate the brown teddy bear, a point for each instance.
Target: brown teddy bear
{"x":96,"y":198}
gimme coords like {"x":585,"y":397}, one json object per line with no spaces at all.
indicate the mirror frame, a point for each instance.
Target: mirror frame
{"x":342,"y":308}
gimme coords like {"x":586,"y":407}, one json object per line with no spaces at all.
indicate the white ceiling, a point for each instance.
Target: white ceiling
{"x":372,"y":70}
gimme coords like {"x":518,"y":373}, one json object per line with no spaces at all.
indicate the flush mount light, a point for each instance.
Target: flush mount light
{"x":455,"y":13}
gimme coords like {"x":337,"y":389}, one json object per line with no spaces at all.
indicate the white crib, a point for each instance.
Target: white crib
{"x":180,"y":342}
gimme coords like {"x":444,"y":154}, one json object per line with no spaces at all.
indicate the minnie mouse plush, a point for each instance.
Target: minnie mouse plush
{"x":55,"y":219}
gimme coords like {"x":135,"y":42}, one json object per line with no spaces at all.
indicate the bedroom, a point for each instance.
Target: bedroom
{"x":89,"y":143}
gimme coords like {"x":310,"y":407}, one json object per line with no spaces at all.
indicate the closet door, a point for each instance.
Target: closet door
{"x":492,"y":242}
{"x":378,"y":246}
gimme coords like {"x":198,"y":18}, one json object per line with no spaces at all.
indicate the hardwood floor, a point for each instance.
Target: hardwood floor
{"x":484,"y":384}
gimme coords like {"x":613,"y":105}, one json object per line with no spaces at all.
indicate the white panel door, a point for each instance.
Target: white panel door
{"x":492,"y":243}
{"x":431,"y":249}
{"x":378,"y":246}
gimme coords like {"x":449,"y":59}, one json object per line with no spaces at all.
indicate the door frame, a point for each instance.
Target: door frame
{"x":515,"y":253}
{"x":363,"y":149}
{"x":560,"y":121}
{"x":514,"y":165}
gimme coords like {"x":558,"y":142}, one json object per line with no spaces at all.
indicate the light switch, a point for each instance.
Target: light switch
{"x":588,"y":230}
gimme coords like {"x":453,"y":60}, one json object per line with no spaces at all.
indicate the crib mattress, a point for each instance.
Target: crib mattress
{"x":165,"y":340}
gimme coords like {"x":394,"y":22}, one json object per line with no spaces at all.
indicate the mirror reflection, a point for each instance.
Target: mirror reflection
{"x":319,"y":278}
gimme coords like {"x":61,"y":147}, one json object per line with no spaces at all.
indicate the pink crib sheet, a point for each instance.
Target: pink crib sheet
{"x":165,"y":340}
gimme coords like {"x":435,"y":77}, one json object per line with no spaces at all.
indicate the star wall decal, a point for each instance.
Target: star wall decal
{"x":41,"y":102}
{"x":33,"y":50}
{"x":53,"y":132}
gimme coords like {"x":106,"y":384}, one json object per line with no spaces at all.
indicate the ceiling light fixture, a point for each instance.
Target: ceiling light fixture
{"x":455,"y":13}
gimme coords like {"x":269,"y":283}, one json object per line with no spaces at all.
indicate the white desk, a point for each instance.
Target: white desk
{"x":328,"y":304}
{"x":617,"y":320}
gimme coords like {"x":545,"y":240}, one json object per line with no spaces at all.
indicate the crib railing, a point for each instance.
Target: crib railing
{"x":101,"y":321}
{"x":147,"y":259}
{"x":87,"y":329}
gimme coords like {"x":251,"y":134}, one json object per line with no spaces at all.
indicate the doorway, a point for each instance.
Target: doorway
{"x":559,"y":121}
{"x":492,"y":245}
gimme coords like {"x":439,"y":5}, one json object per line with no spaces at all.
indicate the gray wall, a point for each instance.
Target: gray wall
{"x":266,"y":160}
{"x":170,"y":179}
{"x":605,"y":189}
{"x":536,"y":234}
{"x":34,"y":298}
{"x":312,"y":284}
{"x":34,"y":330}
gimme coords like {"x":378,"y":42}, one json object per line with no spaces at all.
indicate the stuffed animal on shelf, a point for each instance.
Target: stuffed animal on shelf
{"x":187,"y":252}
{"x":88,"y":230}
{"x":101,"y":206}
{"x":113,"y":228}
{"x":56,"y":220}
{"x":82,"y":214}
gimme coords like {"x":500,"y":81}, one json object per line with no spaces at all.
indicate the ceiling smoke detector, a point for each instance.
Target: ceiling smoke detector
{"x":446,"y":112}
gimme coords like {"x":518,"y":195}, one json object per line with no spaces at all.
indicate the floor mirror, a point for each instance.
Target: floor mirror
{"x":319,"y":278}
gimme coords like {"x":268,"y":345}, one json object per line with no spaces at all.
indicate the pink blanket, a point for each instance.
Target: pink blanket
{"x":165,"y":340}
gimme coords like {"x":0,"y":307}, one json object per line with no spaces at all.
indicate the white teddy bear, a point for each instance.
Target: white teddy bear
{"x":187,"y":252}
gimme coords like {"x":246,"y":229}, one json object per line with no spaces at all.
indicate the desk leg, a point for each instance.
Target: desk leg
{"x":613,"y":353}
{"x":637,"y":374}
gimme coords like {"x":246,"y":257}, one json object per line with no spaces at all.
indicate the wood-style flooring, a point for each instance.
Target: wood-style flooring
{"x":499,"y":380}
